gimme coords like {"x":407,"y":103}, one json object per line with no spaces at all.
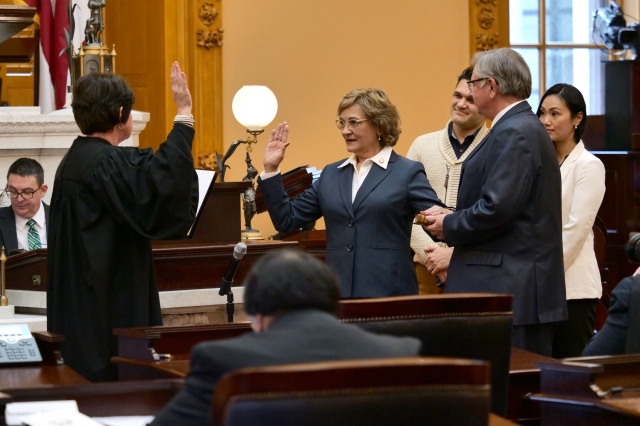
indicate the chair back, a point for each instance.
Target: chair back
{"x":384,"y":392}
{"x":473,"y":326}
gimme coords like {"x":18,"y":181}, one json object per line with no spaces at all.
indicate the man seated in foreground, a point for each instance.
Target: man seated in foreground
{"x":292,"y":298}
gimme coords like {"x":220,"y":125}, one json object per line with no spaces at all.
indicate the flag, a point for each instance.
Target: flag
{"x":53,"y":19}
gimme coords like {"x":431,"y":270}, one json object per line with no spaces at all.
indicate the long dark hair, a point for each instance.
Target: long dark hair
{"x":574,"y":100}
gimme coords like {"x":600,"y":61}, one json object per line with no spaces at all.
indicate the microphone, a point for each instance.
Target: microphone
{"x":238,"y":253}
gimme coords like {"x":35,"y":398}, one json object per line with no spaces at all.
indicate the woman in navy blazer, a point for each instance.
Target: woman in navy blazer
{"x":368,"y":201}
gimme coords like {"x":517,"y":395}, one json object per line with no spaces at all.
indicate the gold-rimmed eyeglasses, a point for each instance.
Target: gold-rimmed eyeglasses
{"x":471,"y":83}
{"x":26,"y":194}
{"x":351,"y":123}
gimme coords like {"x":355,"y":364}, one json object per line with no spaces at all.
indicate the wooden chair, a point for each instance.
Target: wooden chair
{"x":401,"y":391}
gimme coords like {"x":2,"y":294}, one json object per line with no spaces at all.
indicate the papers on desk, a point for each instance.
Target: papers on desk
{"x":50,"y":413}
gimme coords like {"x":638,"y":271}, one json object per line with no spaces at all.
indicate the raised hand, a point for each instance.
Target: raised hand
{"x":180,"y":89}
{"x":274,"y":151}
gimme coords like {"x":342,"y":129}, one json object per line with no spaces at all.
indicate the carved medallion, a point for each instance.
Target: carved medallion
{"x":493,"y":2}
{"x":209,"y":39}
{"x":208,"y":161}
{"x":486,"y":18}
{"x":486,"y":42}
{"x":208,"y":13}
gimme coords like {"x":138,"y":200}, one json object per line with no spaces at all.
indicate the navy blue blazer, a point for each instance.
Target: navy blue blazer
{"x":612,"y":339}
{"x":367,"y":239}
{"x":507,"y":231}
{"x":294,"y":337}
{"x":8,"y":233}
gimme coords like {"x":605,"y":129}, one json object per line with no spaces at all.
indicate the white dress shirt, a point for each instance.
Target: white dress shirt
{"x":503,"y":112}
{"x":381,"y":159}
{"x":22,"y":229}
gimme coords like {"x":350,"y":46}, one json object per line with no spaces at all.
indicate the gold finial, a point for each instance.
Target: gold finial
{"x":3,"y":260}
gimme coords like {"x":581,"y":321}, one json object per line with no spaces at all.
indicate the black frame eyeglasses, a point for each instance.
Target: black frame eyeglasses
{"x":471,"y":83}
{"x":25,"y":195}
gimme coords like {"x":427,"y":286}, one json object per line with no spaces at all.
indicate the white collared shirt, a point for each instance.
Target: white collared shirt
{"x":22,"y":230}
{"x":504,"y":111}
{"x":381,"y":159}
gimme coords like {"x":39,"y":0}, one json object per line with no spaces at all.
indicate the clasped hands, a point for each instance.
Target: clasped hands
{"x":433,"y":220}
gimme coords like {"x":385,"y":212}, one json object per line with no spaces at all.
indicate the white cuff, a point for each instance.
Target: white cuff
{"x":264,"y":175}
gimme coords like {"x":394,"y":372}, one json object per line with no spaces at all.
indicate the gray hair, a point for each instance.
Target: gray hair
{"x":508,"y":68}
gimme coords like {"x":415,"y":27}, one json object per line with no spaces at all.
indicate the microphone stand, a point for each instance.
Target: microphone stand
{"x":230,"y":306}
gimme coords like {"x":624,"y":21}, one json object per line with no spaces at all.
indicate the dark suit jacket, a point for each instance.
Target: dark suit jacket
{"x":507,"y":232}
{"x":295,"y":337}
{"x":612,"y":339}
{"x":367,"y":240}
{"x":8,"y":234}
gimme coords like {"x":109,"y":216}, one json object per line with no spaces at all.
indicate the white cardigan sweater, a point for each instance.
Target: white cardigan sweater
{"x":435,"y":152}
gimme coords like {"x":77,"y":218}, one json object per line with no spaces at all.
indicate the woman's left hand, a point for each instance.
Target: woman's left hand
{"x":438,"y":259}
{"x":180,"y":89}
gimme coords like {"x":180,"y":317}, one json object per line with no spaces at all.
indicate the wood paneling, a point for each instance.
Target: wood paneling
{"x":488,"y":25}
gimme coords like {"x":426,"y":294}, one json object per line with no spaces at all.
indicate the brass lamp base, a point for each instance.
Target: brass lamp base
{"x":251,"y":234}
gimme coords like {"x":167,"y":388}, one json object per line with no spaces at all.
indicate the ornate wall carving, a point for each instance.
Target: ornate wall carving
{"x":488,"y":25}
{"x":210,"y":36}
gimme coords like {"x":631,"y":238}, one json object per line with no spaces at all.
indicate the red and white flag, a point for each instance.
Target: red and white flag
{"x":54,"y":68}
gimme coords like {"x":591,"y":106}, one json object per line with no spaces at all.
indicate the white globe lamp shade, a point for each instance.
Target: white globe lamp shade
{"x":254,"y":107}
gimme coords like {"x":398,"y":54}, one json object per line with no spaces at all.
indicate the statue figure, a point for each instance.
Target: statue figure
{"x":249,"y":196}
{"x":96,"y":21}
{"x":88,"y":33}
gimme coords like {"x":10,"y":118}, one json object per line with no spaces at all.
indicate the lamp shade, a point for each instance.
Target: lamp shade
{"x":254,"y":107}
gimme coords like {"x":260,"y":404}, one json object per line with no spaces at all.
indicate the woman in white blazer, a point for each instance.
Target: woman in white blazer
{"x":562,"y":110}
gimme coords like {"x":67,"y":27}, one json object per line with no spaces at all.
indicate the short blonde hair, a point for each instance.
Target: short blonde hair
{"x":378,"y":110}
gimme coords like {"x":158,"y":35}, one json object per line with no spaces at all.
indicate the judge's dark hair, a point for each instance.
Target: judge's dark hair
{"x":465,"y":75}
{"x":97,"y":99}
{"x":287,"y":280}
{"x":27,"y":167}
{"x":573,"y":100}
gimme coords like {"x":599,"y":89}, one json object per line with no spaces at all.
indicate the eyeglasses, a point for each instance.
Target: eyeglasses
{"x":351,"y":123}
{"x":26,"y":195}
{"x":471,"y":83}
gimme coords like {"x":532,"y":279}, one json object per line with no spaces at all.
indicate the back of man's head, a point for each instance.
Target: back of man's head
{"x":508,"y":68}
{"x":27,"y":167}
{"x":287,"y":280}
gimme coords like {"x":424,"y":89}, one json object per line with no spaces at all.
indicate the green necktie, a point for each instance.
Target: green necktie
{"x":33,"y":236}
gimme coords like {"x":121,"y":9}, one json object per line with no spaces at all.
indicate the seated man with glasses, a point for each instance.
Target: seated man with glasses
{"x":23,"y":225}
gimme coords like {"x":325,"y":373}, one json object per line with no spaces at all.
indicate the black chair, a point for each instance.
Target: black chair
{"x":472,"y":326}
{"x":386,"y":392}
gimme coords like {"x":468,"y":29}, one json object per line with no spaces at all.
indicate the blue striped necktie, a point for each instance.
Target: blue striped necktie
{"x":33,"y":236}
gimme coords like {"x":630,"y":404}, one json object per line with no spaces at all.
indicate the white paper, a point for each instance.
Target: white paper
{"x":205,"y":179}
{"x":57,"y":418}
{"x":16,"y":411}
{"x":125,"y":420}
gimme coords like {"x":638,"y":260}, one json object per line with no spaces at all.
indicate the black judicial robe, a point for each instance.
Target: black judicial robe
{"x":108,"y":203}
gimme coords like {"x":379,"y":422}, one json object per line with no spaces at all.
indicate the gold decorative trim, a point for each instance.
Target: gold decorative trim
{"x":488,"y":25}
{"x":206,"y":37}
{"x":208,"y":161}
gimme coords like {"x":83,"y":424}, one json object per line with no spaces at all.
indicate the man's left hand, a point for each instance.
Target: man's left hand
{"x":436,"y":219}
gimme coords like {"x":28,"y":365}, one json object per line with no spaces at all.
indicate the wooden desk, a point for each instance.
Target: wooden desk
{"x":524,"y":380}
{"x":103,"y":399}
{"x":578,"y":391}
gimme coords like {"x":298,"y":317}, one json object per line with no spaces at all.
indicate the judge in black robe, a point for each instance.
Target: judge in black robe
{"x":108,"y":204}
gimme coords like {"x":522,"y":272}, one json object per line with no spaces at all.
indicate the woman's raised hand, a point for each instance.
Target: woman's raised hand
{"x":180,"y":89}
{"x":274,"y":151}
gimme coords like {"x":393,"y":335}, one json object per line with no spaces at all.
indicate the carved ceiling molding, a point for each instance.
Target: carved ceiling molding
{"x":210,"y":36}
{"x":487,"y":20}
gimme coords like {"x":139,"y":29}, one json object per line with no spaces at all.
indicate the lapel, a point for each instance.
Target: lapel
{"x":570,"y":161}
{"x":345,"y":178}
{"x":521,"y":107}
{"x":376,"y":175}
{"x":8,"y":229}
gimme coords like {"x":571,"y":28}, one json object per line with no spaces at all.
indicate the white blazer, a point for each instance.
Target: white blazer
{"x":582,"y":192}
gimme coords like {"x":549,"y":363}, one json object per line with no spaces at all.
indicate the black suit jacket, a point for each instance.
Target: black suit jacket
{"x":295,"y":337}
{"x":8,"y":234}
{"x":507,"y":231}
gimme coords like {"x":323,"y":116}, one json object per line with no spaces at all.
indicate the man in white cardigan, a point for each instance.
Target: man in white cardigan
{"x":442,"y":154}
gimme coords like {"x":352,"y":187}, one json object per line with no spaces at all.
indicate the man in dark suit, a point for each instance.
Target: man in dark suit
{"x":23,"y":225}
{"x":507,"y":229}
{"x":291,"y":297}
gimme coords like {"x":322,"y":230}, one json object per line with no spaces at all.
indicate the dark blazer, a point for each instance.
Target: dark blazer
{"x":612,"y":339}
{"x":367,"y":240}
{"x":507,"y":231}
{"x":295,"y":337}
{"x":8,"y":234}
